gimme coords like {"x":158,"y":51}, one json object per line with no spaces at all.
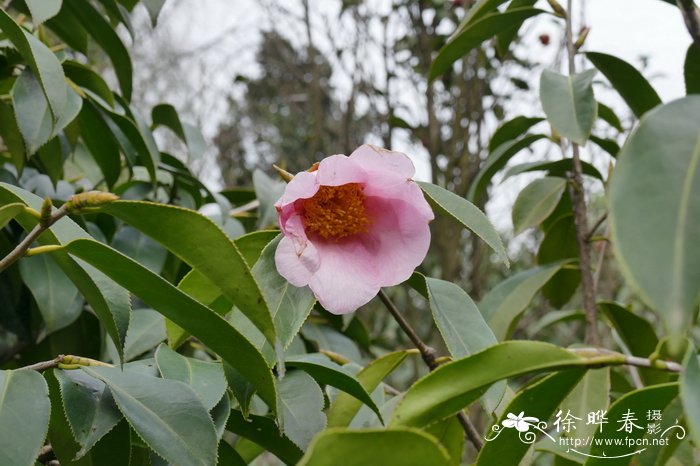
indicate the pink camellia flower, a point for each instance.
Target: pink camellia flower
{"x":352,"y":226}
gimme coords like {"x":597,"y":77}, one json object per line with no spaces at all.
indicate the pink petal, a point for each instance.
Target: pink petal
{"x":338,"y":170}
{"x":346,"y":278}
{"x":398,"y":239}
{"x":407,"y":191}
{"x":302,"y":186}
{"x":296,"y":258}
{"x":375,"y":159}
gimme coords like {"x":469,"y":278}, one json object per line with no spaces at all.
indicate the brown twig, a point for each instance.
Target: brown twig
{"x":44,"y":365}
{"x":578,"y":200}
{"x":21,"y":249}
{"x":691,"y":16}
{"x":429,"y":355}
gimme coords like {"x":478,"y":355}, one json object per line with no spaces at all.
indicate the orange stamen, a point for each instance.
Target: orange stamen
{"x":336,"y":211}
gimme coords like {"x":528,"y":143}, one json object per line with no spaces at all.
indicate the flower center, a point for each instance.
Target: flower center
{"x":336,"y":211}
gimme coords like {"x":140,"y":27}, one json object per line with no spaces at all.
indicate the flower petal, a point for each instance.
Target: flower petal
{"x":346,"y":278}
{"x":376,"y":159}
{"x":296,"y":258}
{"x":302,"y":186}
{"x":338,"y":170}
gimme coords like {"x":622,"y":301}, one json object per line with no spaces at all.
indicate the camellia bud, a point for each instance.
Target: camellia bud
{"x":284,"y":174}
{"x":558,"y":9}
{"x":90,"y":199}
{"x":582,"y":37}
{"x":46,"y":209}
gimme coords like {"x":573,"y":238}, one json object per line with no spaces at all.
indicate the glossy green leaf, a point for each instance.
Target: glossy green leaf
{"x":137,"y":145}
{"x":229,"y":457}
{"x":560,"y":243}
{"x":220,"y":413}
{"x":146,"y":331}
{"x":504,"y":303}
{"x":536,"y":202}
{"x":589,"y":396}
{"x":199,"y":242}
{"x":453,"y":386}
{"x":89,"y":80}
{"x":41,"y":10}
{"x":479,"y":9}
{"x":12,"y":136}
{"x":24,"y":416}
{"x":101,"y":143}
{"x":131,"y":242}
{"x":539,"y":400}
{"x":556,"y":168}
{"x":326,"y":372}
{"x":166,"y":414}
{"x":608,"y":145}
{"x":496,"y":161}
{"x":88,"y":406}
{"x":301,"y":403}
{"x":406,"y":447}
{"x":637,"y":333}
{"x":210,"y":328}
{"x":206,"y":378}
{"x":67,"y":27}
{"x":264,"y":432}
{"x":252,"y":244}
{"x":638,"y":403}
{"x":42,"y":61}
{"x":569,"y":103}
{"x":10,"y":211}
{"x":166,"y":115}
{"x":653,"y":203}
{"x":345,"y":407}
{"x":690,"y":395}
{"x":466,"y":213}
{"x":108,"y":39}
{"x":55,"y":294}
{"x":507,"y":36}
{"x":153,"y":7}
{"x":472,"y":34}
{"x":288,"y":304}
{"x":635,"y":90}
{"x":691,"y":70}
{"x":608,"y":115}
{"x":512,"y":129}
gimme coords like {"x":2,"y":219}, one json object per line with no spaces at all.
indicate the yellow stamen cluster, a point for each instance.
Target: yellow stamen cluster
{"x":336,"y":211}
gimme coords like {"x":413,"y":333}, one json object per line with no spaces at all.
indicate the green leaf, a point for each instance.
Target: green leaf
{"x":512,"y":129}
{"x":110,"y":302}
{"x":210,"y":328}
{"x":539,"y":400}
{"x":10,"y":211}
{"x":89,"y":80}
{"x":589,"y":396}
{"x":252,"y":244}
{"x":42,"y":61}
{"x":653,"y":203}
{"x":406,"y":447}
{"x":608,"y":145}
{"x":472,"y":34}
{"x":455,"y":385}
{"x":689,"y":383}
{"x":220,"y":414}
{"x":326,"y":372}
{"x":108,"y":39}
{"x":656,"y":397}
{"x":450,"y":434}
{"x":264,"y":432}
{"x":504,"y":303}
{"x":67,"y":27}
{"x":88,"y":406}
{"x":301,"y":400}
{"x":166,"y":414}
{"x":24,"y":415}
{"x":146,"y":331}
{"x":507,"y":36}
{"x":608,"y":115}
{"x":55,"y":295}
{"x":153,"y":7}
{"x":198,"y":241}
{"x":41,"y":10}
{"x":289,"y":305}
{"x":462,"y":327}
{"x":555,"y":168}
{"x":131,"y":242}
{"x":496,"y":161}
{"x":636,"y":91}
{"x":691,"y":70}
{"x":229,"y":457}
{"x":560,"y":243}
{"x":12,"y":136}
{"x":536,"y":202}
{"x":479,"y":9}
{"x":638,"y":335}
{"x":166,"y":115}
{"x":466,"y":213}
{"x":345,"y":407}
{"x":206,"y":378}
{"x":101,"y":143}
{"x":267,"y":191}
{"x":569,"y":103}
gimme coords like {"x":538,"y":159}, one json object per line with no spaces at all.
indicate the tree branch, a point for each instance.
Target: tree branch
{"x":691,"y":15}
{"x":429,"y":355}
{"x":578,"y":200}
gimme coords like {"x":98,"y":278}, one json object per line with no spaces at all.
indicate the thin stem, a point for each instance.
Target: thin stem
{"x":26,"y":243}
{"x":605,"y":357}
{"x":429,"y":355}
{"x":579,"y":206}
{"x":691,"y":15}
{"x":44,"y":365}
{"x":596,"y":225}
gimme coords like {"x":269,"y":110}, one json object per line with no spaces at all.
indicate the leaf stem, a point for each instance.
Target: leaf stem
{"x":578,"y":199}
{"x":430,"y":358}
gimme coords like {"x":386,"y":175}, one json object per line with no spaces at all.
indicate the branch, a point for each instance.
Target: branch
{"x":44,"y":365}
{"x":605,"y":357}
{"x":691,"y":15}
{"x":429,"y":355}
{"x":64,"y":361}
{"x":579,"y":206}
